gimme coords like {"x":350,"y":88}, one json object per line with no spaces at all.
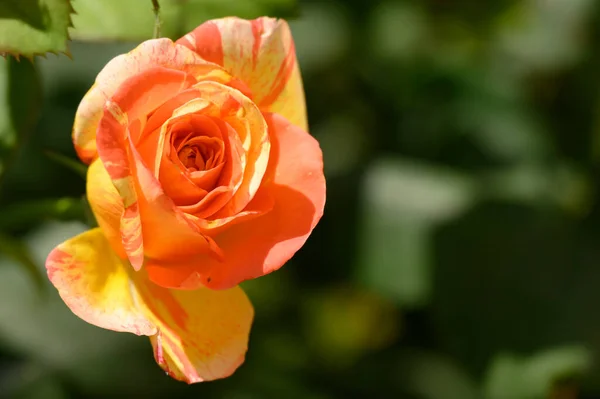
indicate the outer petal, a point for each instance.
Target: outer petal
{"x":261,"y":245}
{"x":95,"y":286}
{"x":260,"y":52}
{"x":113,"y":149}
{"x":151,"y":53}
{"x":106,"y":204}
{"x":141,"y":94}
{"x":203,"y":334}
{"x":197,"y":335}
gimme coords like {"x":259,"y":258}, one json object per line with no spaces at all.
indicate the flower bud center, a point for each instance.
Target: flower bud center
{"x":201,"y":153}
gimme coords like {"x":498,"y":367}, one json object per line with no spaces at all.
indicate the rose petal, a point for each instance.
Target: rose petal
{"x":228,"y":107}
{"x":151,"y":53}
{"x":210,"y":338}
{"x":161,"y":115}
{"x":173,"y":274}
{"x":113,"y":150}
{"x":260,"y":52}
{"x":94,"y":284}
{"x":151,"y":225}
{"x":239,"y":112}
{"x":106,"y":204}
{"x":154,"y":144}
{"x":143,"y":93}
{"x":197,"y":335}
{"x":154,"y":139}
{"x":230,"y":179}
{"x":135,"y":98}
{"x":184,"y":187}
{"x":253,"y":248}
{"x":168,"y":233}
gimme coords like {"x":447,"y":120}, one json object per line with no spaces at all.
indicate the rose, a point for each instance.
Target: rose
{"x":202,"y":176}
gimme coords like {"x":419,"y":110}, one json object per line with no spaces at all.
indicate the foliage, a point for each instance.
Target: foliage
{"x":31,"y":27}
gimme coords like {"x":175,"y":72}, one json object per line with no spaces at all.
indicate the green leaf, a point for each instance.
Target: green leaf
{"x":32,"y":27}
{"x":17,"y":251}
{"x":20,"y":96}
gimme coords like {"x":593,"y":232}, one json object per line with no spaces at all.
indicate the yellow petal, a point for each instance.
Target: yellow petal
{"x":95,"y":285}
{"x":197,"y":335}
{"x":202,"y":334}
{"x":106,"y":204}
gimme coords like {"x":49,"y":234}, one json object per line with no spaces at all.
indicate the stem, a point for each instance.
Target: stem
{"x":156,"y":9}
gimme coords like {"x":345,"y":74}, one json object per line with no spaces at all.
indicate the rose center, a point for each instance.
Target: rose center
{"x":200,"y":153}
{"x":191,"y":158}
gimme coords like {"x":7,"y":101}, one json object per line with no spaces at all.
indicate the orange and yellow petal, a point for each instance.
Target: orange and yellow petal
{"x":239,"y":112}
{"x":181,"y":185}
{"x":113,"y":150}
{"x":295,"y":181}
{"x":95,"y":285}
{"x":151,"y":226}
{"x":167,"y":231}
{"x":141,"y":94}
{"x":106,"y":204}
{"x":197,"y":335}
{"x":203,"y":334}
{"x":151,"y":53}
{"x":231,"y":175}
{"x":261,"y":53}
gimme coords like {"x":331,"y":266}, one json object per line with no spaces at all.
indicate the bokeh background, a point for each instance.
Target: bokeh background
{"x":459,"y":254}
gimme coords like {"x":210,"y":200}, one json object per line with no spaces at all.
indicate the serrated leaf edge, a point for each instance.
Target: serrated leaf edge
{"x":66,"y":52}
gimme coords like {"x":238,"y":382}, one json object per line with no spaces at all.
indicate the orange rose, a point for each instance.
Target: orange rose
{"x":202,"y":176}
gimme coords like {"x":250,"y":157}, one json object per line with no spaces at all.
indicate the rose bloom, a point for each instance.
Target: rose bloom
{"x":201,"y":176}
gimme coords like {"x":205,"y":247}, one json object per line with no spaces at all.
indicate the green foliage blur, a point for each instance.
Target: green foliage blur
{"x":459,"y":254}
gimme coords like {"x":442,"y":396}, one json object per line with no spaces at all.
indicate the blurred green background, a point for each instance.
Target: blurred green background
{"x":459,"y":254}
